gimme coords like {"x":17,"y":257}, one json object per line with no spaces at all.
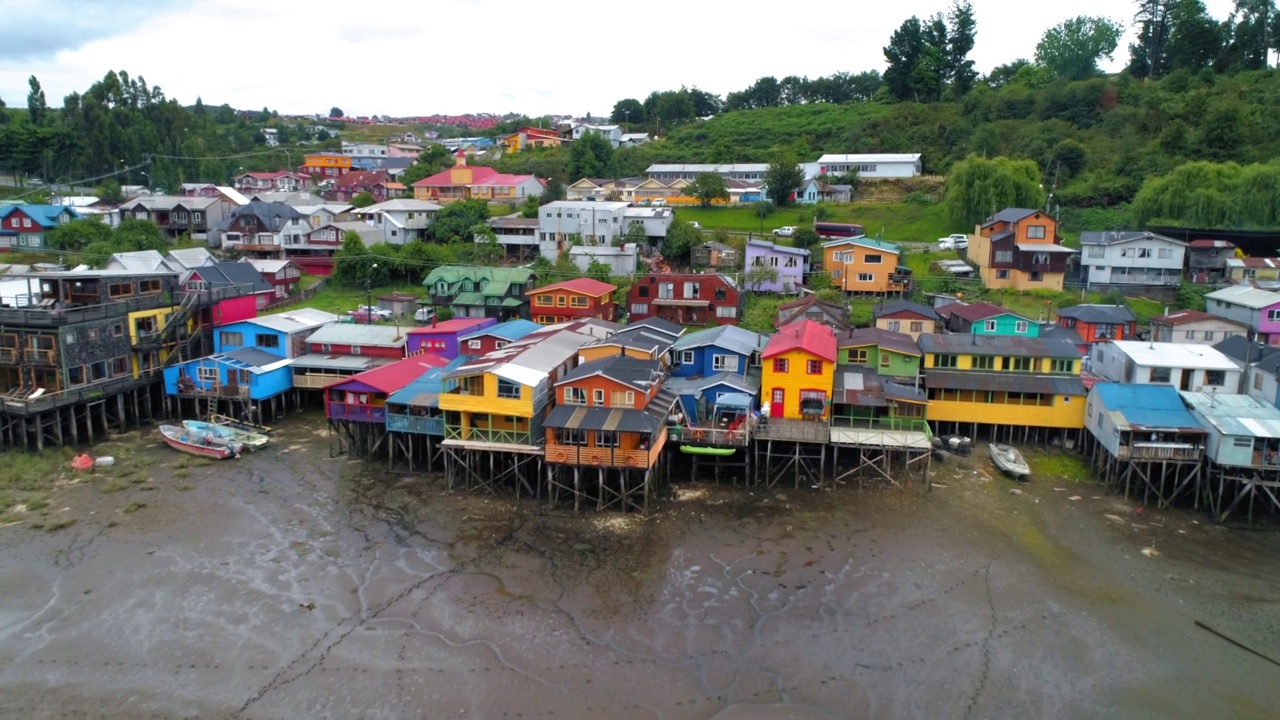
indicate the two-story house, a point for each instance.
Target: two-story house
{"x":573,"y":300}
{"x":25,"y":226}
{"x":1020,"y":248}
{"x":649,"y":339}
{"x":415,"y":410}
{"x":1259,"y":309}
{"x":284,"y":334}
{"x":771,"y":267}
{"x":904,"y":316}
{"x":714,"y":255}
{"x":262,"y":229}
{"x":811,"y":307}
{"x":1197,"y":368}
{"x":362,"y":398}
{"x":1207,"y":260}
{"x":530,"y":137}
{"x":609,"y":413}
{"x":1129,"y":258}
{"x":281,"y":181}
{"x":798,"y":374}
{"x":885,"y":352}
{"x":1260,"y":365}
{"x":984,"y":318}
{"x":323,"y":166}
{"x":1143,"y":423}
{"x":496,"y":337}
{"x":348,"y":185}
{"x":282,"y":275}
{"x":500,"y":293}
{"x":340,"y":350}
{"x":1099,"y":323}
{"x":463,"y":182}
{"x":226,"y":274}
{"x":178,"y":216}
{"x":686,"y":299}
{"x":1252,"y":269}
{"x":713,"y":362}
{"x":998,"y":381}
{"x":864,"y":266}
{"x":402,"y":220}
{"x":1195,"y":327}
{"x":444,"y":338}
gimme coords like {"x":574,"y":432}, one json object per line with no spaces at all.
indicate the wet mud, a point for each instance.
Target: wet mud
{"x":288,"y":584}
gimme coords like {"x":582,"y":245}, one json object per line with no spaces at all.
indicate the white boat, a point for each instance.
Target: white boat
{"x":1008,"y":459}
{"x":250,"y":440}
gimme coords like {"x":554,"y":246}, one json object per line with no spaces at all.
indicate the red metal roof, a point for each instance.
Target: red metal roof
{"x":1211,"y":244}
{"x":585,"y":286}
{"x":390,"y":378}
{"x":1182,"y":317}
{"x":360,"y":177}
{"x":978,"y":311}
{"x":814,"y":338}
{"x":455,"y":325}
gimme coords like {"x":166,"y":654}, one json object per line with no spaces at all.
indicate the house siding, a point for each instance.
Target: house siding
{"x":790,"y":384}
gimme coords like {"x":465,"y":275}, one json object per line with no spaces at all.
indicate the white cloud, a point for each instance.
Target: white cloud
{"x":404,"y":58}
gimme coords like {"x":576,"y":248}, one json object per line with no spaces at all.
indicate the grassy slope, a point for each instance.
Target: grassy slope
{"x":904,"y":222}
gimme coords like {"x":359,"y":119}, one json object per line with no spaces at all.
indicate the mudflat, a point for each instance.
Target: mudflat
{"x":287,"y":584}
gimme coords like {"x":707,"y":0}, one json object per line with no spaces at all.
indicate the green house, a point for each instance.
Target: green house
{"x":500,"y":293}
{"x":986,"y":319}
{"x":888,"y":353}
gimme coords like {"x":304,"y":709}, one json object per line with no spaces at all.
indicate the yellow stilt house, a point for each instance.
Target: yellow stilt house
{"x":799,"y":372}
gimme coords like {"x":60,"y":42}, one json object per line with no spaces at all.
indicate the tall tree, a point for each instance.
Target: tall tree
{"x":1149,"y":55}
{"x":1195,"y":39}
{"x":37,"y":108}
{"x":960,"y":40}
{"x":628,"y":111}
{"x":903,"y":53}
{"x":1071,"y":49}
{"x":707,"y":187}
{"x":782,"y":178}
{"x":590,"y":156}
{"x":978,"y":187}
{"x":1251,"y":38}
{"x":335,"y":112}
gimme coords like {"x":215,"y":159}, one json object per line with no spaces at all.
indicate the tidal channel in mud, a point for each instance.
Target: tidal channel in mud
{"x":288,"y":584}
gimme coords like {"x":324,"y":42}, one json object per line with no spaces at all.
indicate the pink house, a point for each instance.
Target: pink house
{"x":441,"y":338}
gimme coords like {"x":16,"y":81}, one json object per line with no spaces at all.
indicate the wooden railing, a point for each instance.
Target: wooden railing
{"x":46,"y":357}
{"x":882,"y":423}
{"x":222,"y":391}
{"x":1164,"y":451}
{"x":316,"y":381}
{"x":8,"y":355}
{"x":604,"y":456}
{"x":489,"y":435}
{"x":355,"y":412}
{"x":737,"y":437}
{"x":421,"y":424}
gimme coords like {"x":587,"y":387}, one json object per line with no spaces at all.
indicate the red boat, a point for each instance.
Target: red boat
{"x":199,"y":443}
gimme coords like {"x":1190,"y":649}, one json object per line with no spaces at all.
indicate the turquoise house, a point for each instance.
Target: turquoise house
{"x":986,"y":319}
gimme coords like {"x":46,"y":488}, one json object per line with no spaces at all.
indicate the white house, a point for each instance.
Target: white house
{"x":366,"y":156}
{"x":1195,"y":368}
{"x":1195,"y":328}
{"x":402,"y":220}
{"x":622,"y":261}
{"x":633,"y":139}
{"x":871,"y":166}
{"x":1117,"y":257}
{"x":612,"y":133}
{"x":729,"y":171}
{"x":596,"y":224}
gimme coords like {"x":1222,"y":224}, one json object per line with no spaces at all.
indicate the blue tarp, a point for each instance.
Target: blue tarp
{"x":734,"y":400}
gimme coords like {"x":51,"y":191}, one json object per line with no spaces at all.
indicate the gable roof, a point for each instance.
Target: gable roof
{"x":806,"y":335}
{"x":1254,"y":262}
{"x":767,"y":246}
{"x":1099,"y":313}
{"x":296,"y":320}
{"x":1011,"y":215}
{"x":866,"y":242}
{"x":633,"y":372}
{"x":528,"y":361}
{"x":394,"y":376}
{"x":269,"y":266}
{"x":457,"y":273}
{"x":359,"y":334}
{"x":979,"y":311}
{"x":965,"y":344}
{"x":584,"y":286}
{"x":253,"y":357}
{"x":453,"y":325}
{"x":1185,"y":317}
{"x":138,"y":261}
{"x":510,"y":330}
{"x":638,"y":337}
{"x":666,"y":327}
{"x":360,"y":177}
{"x":1117,"y":237}
{"x":190,"y":257}
{"x":887,"y":339}
{"x":728,"y":337}
{"x":893,"y":307}
{"x":1237,"y":347}
{"x":1245,"y":296}
{"x":1174,"y":355}
{"x":1146,"y":407}
{"x":426,"y":389}
{"x":231,"y":274}
{"x":45,"y":216}
{"x":273,"y":215}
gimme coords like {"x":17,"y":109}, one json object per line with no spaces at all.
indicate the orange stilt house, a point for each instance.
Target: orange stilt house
{"x":610,"y":417}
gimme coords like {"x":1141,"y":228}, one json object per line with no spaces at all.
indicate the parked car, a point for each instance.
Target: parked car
{"x":695,"y":225}
{"x":959,"y":241}
{"x":785,"y":231}
{"x":424,"y":314}
{"x":364,"y":317}
{"x":378,"y":312}
{"x":659,"y":203}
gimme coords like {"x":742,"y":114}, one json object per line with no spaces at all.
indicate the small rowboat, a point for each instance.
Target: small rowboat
{"x":703,"y":450}
{"x":249,"y":439}
{"x":1008,"y":459}
{"x":202,"y":444}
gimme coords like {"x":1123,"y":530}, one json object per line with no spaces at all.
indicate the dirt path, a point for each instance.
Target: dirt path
{"x":290,"y":585}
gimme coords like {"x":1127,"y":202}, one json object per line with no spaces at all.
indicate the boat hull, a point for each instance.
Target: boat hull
{"x":703,"y":450}
{"x":200,"y":444}
{"x":1009,"y":460}
{"x":250,"y":440}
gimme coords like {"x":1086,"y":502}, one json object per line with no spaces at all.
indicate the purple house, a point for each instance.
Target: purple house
{"x":441,"y":338}
{"x":791,"y":264}
{"x":1245,"y":304}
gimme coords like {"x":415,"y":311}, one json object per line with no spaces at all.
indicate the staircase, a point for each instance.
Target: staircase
{"x":181,"y":351}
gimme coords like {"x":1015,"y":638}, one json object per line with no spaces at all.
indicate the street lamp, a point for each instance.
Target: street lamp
{"x":626,"y":121}
{"x":368,"y":294}
{"x":148,"y":177}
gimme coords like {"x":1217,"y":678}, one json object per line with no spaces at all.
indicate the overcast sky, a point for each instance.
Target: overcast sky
{"x":459,"y":56}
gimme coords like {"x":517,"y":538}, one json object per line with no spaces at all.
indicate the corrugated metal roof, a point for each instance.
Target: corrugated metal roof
{"x":1238,"y":415}
{"x":319,"y":361}
{"x":294,"y":320}
{"x":1099,"y":313}
{"x":964,"y":344}
{"x":358,"y":334}
{"x":1174,"y":355}
{"x":728,"y":337}
{"x":1147,"y":407}
{"x":895,"y":341}
{"x":1245,"y":296}
{"x":426,"y":390}
{"x":510,"y":330}
{"x":694,"y":385}
{"x":1004,"y":382}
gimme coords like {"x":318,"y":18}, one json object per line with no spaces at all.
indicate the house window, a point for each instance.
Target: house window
{"x":232,"y":339}
{"x":575,"y":396}
{"x":1002,"y":274}
{"x":561,"y":301}
{"x":1035,"y":232}
{"x":207,"y":374}
{"x":606,"y":439}
{"x":884,"y":359}
{"x":196,"y":285}
{"x":543,"y":301}
{"x":866,"y":277}
{"x":267,"y":341}
{"x":858,"y":356}
{"x":622,"y":398}
{"x":1161,"y":375}
{"x":1035,"y":276}
{"x":1040,"y":259}
{"x":781,"y":365}
{"x":473,"y":344}
{"x":508,"y":389}
{"x":726,"y":311}
{"x":1215,"y":377}
{"x":1208,"y":335}
{"x":1062,"y":366}
{"x":686,"y":357}
{"x":117,"y":290}
{"x":1020,"y":327}
{"x":442,"y":287}
{"x":873,"y":259}
{"x":1257,"y":380}
{"x":1004,"y":256}
{"x":499,"y":344}
{"x":1020,"y":364}
{"x":945,"y":361}
{"x":813,"y":367}
{"x":597,"y":397}
{"x":1189,"y":335}
{"x":1165,"y":253}
{"x":917,"y":326}
{"x":990,"y":325}
{"x":578,"y":301}
{"x":1273,"y":315}
{"x":1097,"y":251}
{"x":724,"y":363}
{"x":894,"y":325}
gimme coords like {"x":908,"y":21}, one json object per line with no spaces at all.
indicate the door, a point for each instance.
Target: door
{"x":1186,"y":379}
{"x":775,"y":405}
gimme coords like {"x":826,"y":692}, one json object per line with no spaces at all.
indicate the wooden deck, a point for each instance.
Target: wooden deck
{"x":871,"y":437}
{"x":805,"y":431}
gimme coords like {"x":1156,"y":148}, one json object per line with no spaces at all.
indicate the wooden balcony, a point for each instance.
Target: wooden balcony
{"x":316,"y":381}
{"x":489,"y":435}
{"x":606,"y":457}
{"x":718,"y":437}
{"x":41,"y":357}
{"x":1177,"y":452}
{"x":418,"y":424}
{"x":236,"y":392}
{"x":804,"y":431}
{"x":9,"y":356}
{"x":353,"y":412}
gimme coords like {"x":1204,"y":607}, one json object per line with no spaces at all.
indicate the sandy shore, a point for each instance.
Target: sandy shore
{"x":291,"y":585}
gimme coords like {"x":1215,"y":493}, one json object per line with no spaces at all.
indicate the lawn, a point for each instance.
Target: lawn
{"x":339,"y":300}
{"x":902,"y":222}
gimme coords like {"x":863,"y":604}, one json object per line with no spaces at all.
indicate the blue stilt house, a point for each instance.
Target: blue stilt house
{"x":712,"y":363}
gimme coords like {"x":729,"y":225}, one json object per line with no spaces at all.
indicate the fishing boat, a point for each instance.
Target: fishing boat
{"x":1008,"y":459}
{"x":198,"y":443}
{"x":249,"y":439}
{"x":703,"y":450}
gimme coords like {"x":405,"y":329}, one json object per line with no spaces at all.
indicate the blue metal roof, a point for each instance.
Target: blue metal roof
{"x":44,"y":215}
{"x":1150,"y":406}
{"x":738,"y":400}
{"x":427,"y":388}
{"x":510,"y":330}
